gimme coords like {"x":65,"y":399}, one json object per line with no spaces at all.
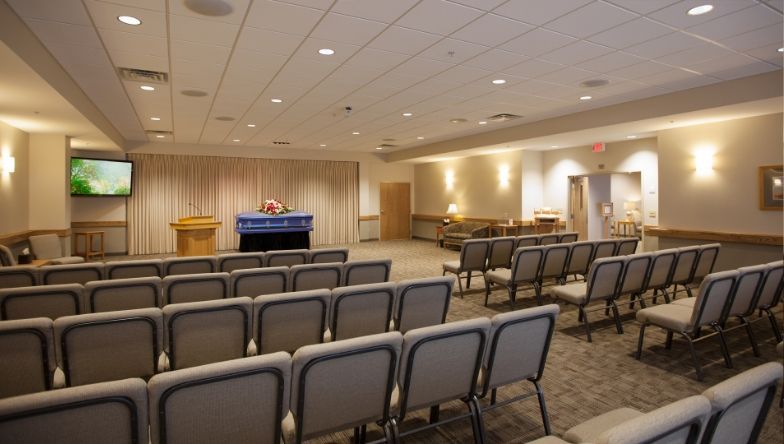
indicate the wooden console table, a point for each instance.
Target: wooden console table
{"x":505,"y":229}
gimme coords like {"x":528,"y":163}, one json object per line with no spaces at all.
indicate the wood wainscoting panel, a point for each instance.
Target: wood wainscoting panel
{"x":717,"y":236}
{"x":21,"y":236}
{"x":368,"y":217}
{"x":487,"y":220}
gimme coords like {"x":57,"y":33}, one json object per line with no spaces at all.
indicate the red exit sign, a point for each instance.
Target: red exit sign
{"x":598,"y":147}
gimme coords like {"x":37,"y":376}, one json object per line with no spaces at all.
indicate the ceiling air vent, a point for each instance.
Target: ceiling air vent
{"x":142,"y":75}
{"x":387,"y":145}
{"x":503,"y":117}
{"x":280,"y":142}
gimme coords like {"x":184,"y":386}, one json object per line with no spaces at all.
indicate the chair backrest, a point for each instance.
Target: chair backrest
{"x":422,"y":302}
{"x":240,"y":261}
{"x":326,"y":255}
{"x":706,"y":259}
{"x":526,"y":264}
{"x":662,"y":266}
{"x":500,"y":254}
{"x":714,"y":295}
{"x":366,"y":272}
{"x":740,"y":404}
{"x":343,"y":384}
{"x":635,"y":273}
{"x":554,"y":261}
{"x":604,"y":278}
{"x":258,"y":281}
{"x":27,"y":348}
{"x":580,"y":258}
{"x":680,"y":422}
{"x":287,"y":258}
{"x":50,"y":301}
{"x":71,"y":273}
{"x":286,"y":322}
{"x":568,"y":237}
{"x":473,"y":254}
{"x":518,"y":345}
{"x":6,"y":257}
{"x":529,"y":240}
{"x":133,"y":269}
{"x":18,"y":276}
{"x":204,"y":332}
{"x":93,"y":414}
{"x":243,"y":400}
{"x":770,"y":293}
{"x":684,"y":265}
{"x":428,"y":351}
{"x":604,"y":248}
{"x":122,"y":294}
{"x":315,"y":276}
{"x":361,"y":310}
{"x":98,"y":347}
{"x":46,"y":246}
{"x":549,"y":239}
{"x":189,"y":265}
{"x":747,"y":288}
{"x":176,"y":289}
{"x":626,"y":246}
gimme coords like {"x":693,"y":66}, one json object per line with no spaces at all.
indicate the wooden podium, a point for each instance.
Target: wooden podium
{"x":196,"y":235}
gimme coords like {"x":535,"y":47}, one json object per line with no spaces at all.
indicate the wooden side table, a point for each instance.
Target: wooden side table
{"x":88,"y":251}
{"x":505,"y":229}
{"x":439,"y":236}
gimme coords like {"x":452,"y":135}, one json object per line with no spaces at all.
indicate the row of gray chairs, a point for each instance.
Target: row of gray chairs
{"x":99,"y":347}
{"x":721,"y":297}
{"x":25,"y":276}
{"x":321,"y":389}
{"x":54,"y":301}
{"x":730,"y":412}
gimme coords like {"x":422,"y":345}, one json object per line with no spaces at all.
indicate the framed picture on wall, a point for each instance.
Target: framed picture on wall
{"x":771,"y":187}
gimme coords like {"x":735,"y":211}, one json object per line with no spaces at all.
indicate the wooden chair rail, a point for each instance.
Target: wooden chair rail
{"x":718,"y":236}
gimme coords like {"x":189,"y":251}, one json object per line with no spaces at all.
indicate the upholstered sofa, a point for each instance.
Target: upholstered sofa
{"x":456,"y":233}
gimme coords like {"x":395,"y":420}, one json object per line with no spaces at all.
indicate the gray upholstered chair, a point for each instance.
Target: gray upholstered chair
{"x":176,"y":289}
{"x":604,"y":248}
{"x":714,"y":297}
{"x":360,"y":310}
{"x":473,"y":257}
{"x":7,"y":258}
{"x":706,"y":259}
{"x":626,"y":246}
{"x":254,"y":282}
{"x":422,"y":302}
{"x":122,"y":294}
{"x":517,"y":351}
{"x":740,"y":405}
{"x":133,"y":269}
{"x":287,"y":321}
{"x":315,"y":276}
{"x":526,"y":262}
{"x":287,"y":258}
{"x":500,"y":254}
{"x":770,"y":294}
{"x":326,"y":255}
{"x":43,"y":301}
{"x":47,"y":246}
{"x":189,"y":265}
{"x":423,"y":381}
{"x":200,"y":333}
{"x":601,"y":285}
{"x":28,"y":363}
{"x":229,"y":262}
{"x":243,"y":401}
{"x":579,"y":261}
{"x":98,"y":347}
{"x":660,"y":275}
{"x":71,"y":273}
{"x":549,"y":239}
{"x":554,"y":263}
{"x":366,"y":272}
{"x":568,"y":237}
{"x":683,"y":270}
{"x":529,"y":240}
{"x":635,"y":277}
{"x":92,"y":414}
{"x":18,"y":276}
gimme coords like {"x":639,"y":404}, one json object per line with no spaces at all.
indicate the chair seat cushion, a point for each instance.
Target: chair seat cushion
{"x":670,"y":316}
{"x":452,"y":266}
{"x":688,"y":302}
{"x":589,"y":430}
{"x":458,"y":235}
{"x":549,"y":440}
{"x":500,"y":276}
{"x":67,"y":260}
{"x":574,"y":293}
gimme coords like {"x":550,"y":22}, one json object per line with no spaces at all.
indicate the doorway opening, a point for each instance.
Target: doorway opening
{"x":606,"y":205}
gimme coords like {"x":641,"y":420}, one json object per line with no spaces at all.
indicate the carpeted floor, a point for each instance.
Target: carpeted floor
{"x":581,"y":379}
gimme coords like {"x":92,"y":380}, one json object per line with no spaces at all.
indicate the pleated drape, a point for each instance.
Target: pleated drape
{"x":168,"y":187}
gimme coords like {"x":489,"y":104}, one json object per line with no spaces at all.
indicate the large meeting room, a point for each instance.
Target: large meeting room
{"x":391,"y":221}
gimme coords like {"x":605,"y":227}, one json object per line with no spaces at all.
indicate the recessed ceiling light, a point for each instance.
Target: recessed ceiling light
{"x":322,"y":145}
{"x":129,"y":20}
{"x":276,"y":100}
{"x":483,"y":122}
{"x":553,"y":146}
{"x":781,"y":49}
{"x":155,"y":118}
{"x":235,"y":140}
{"x":699,"y":10}
{"x":251,"y":125}
{"x":356,"y":133}
{"x":586,"y":98}
{"x":147,"y":88}
{"x":326,"y":51}
{"x":407,"y":114}
{"x":499,"y":81}
{"x":379,"y":148}
{"x":631,"y":137}
{"x":459,"y":120}
{"x":160,"y":136}
{"x":420,"y":138}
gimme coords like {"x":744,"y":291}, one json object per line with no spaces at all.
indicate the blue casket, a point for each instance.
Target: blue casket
{"x":255,"y":222}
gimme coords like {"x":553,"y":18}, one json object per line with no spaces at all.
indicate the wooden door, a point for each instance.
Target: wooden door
{"x":395,"y":218}
{"x":579,"y":205}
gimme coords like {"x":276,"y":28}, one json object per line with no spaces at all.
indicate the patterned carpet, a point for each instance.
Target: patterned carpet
{"x":581,"y":379}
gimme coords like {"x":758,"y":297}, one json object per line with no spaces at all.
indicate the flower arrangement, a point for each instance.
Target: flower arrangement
{"x":274,"y":207}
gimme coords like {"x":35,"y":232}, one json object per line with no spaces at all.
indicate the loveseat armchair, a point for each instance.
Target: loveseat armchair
{"x":456,"y":233}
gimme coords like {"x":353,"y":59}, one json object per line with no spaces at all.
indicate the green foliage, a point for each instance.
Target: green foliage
{"x":81,"y":174}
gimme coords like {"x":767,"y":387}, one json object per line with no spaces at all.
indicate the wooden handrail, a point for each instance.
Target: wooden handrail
{"x":21,"y":236}
{"x":719,"y":236}
{"x":440,"y":217}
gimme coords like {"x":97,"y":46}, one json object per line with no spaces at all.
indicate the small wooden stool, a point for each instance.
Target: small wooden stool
{"x":88,"y":251}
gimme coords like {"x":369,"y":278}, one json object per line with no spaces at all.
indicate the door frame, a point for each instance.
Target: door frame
{"x":570,"y":177}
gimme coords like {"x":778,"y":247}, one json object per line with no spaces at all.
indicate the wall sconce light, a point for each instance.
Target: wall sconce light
{"x":703,"y":161}
{"x":449,"y":178}
{"x":503,"y":176}
{"x":7,"y":164}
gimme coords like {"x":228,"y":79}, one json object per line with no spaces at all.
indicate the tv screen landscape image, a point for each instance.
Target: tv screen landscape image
{"x":96,"y":177}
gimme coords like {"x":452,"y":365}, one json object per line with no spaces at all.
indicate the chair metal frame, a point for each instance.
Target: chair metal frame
{"x":170,"y":328}
{"x":460,"y":269}
{"x":512,"y":288}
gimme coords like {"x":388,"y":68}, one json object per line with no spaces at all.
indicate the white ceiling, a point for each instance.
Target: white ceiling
{"x":433,"y":58}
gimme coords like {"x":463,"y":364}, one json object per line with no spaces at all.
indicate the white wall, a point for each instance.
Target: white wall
{"x":14,"y":187}
{"x":50,"y":191}
{"x":533,"y":183}
{"x":624,"y":188}
{"x":598,"y":193}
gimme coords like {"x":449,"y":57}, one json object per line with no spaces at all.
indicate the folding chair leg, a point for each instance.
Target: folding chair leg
{"x":774,"y":324}
{"x":468,"y":280}
{"x":487,"y":291}
{"x":512,"y":290}
{"x":655,"y":291}
{"x":696,"y":362}
{"x":543,"y":408}
{"x":460,"y":286}
{"x":585,"y":324}
{"x":538,"y":292}
{"x":666,"y":295}
{"x":641,"y":300}
{"x":476,"y":420}
{"x":617,"y":317}
{"x":435,"y":411}
{"x":639,"y":341}
{"x":723,"y":343}
{"x":631,"y":301}
{"x":668,"y":343}
{"x":391,"y":431}
{"x":493,"y":396}
{"x":750,"y":333}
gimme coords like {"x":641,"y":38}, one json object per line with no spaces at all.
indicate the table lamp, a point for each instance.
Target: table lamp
{"x":451,"y":209}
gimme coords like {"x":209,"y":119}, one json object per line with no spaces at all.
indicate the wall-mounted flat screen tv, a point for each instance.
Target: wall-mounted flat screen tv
{"x":99,"y":177}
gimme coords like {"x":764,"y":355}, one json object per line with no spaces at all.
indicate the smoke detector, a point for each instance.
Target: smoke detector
{"x":210,"y":8}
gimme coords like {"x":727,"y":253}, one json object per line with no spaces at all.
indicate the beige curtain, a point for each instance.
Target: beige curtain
{"x":165,"y":185}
